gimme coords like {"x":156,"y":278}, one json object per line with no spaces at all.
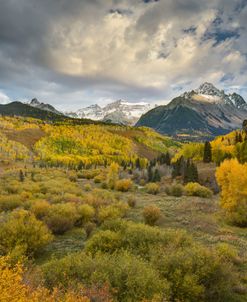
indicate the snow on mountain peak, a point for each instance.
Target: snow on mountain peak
{"x":209,"y":89}
{"x":208,"y":93}
{"x":119,"y":111}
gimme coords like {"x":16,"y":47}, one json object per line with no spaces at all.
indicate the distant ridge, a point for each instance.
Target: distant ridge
{"x":25,"y":110}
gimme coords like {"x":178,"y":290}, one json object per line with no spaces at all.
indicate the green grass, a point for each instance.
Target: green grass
{"x":201,"y":217}
{"x":71,"y":241}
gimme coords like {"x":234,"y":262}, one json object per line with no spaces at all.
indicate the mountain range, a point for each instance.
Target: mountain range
{"x":119,"y":112}
{"x":206,"y":111}
{"x":203,"y":112}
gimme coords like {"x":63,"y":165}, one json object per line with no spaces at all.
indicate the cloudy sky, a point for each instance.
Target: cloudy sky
{"x":72,"y":53}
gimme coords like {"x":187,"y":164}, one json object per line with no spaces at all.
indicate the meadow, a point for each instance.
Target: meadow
{"x":96,"y":213}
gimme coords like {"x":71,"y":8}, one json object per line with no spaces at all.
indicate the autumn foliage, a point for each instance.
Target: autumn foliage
{"x":232,"y":178}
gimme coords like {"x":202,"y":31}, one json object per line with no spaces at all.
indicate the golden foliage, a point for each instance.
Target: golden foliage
{"x":14,"y":289}
{"x":195,"y":189}
{"x":232,"y":178}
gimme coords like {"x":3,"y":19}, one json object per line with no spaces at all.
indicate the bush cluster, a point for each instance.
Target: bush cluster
{"x":152,"y":188}
{"x":175,"y":190}
{"x":195,"y":189}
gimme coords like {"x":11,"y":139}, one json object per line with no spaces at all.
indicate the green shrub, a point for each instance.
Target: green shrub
{"x":68,"y":197}
{"x":112,"y":212}
{"x":21,"y":231}
{"x":175,"y":190}
{"x":195,"y":273}
{"x":129,"y":277}
{"x":131,"y":201}
{"x":85,"y":213}
{"x":195,"y":189}
{"x":152,"y":188}
{"x":61,"y":217}
{"x":72,"y":177}
{"x":89,"y":228}
{"x":139,"y":238}
{"x":151,"y":214}
{"x":142,"y":182}
{"x":10,"y":202}
{"x":104,"y":185}
{"x":40,"y":208}
{"x":87,"y":187}
{"x":104,"y":241}
{"x":123,"y":185}
{"x":98,"y":179}
{"x":88,"y":174}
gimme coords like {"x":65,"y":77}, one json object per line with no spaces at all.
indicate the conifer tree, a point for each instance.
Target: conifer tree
{"x":207,"y":155}
{"x":21,"y":176}
{"x":190,"y":173}
{"x":156,"y":176}
{"x":245,"y":126}
{"x":150,"y":173}
{"x":168,"y":159}
{"x":138,"y":164}
{"x":240,"y":138}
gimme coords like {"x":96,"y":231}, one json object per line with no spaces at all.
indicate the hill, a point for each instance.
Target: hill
{"x":69,"y":144}
{"x":27,"y":110}
{"x":204,"y":112}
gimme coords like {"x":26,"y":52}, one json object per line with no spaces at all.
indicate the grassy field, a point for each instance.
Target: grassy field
{"x":200,"y":217}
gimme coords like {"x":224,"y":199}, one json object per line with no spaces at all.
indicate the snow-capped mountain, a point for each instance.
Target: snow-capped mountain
{"x":205,"y":110}
{"x":120,"y":112}
{"x":47,"y":107}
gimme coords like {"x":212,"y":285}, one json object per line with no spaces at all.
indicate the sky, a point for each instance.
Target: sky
{"x":73,"y":53}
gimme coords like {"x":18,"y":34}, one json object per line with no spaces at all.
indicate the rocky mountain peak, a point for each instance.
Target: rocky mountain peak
{"x":209,"y":89}
{"x":238,"y":100}
{"x":47,"y":107}
{"x":120,"y":111}
{"x":34,"y":102}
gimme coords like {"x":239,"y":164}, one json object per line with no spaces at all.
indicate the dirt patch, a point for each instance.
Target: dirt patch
{"x":27,"y":137}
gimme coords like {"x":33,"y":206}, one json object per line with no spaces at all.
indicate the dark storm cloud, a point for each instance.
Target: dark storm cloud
{"x":67,"y":52}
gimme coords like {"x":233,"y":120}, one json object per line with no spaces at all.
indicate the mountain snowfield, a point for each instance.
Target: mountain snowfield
{"x":205,"y":110}
{"x":120,"y":112}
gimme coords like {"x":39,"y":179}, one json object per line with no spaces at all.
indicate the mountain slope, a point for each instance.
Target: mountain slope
{"x":205,"y":111}
{"x":20,"y":109}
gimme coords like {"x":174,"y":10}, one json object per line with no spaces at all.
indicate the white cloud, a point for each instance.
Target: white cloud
{"x":4,"y":99}
{"x":89,"y":51}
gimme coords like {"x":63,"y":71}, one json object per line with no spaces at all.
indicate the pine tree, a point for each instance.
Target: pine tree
{"x":21,"y":176}
{"x":150,"y":173}
{"x":168,"y":159}
{"x":138,"y":164}
{"x":236,"y":137}
{"x":245,"y":126}
{"x":179,"y":167}
{"x":156,"y":176}
{"x":194,"y":172}
{"x":207,"y":156}
{"x":190,"y":173}
{"x":32,"y":176}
